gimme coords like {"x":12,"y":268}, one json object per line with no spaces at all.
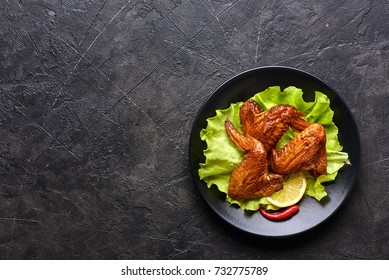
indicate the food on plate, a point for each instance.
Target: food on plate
{"x":261,"y":132}
{"x":280,"y":215}
{"x":251,"y":179}
{"x":223,"y":156}
{"x":305,"y":152}
{"x":292,"y":191}
{"x":269,"y":126}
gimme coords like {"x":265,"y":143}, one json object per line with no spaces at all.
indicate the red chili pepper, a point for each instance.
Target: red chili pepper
{"x":280,"y":215}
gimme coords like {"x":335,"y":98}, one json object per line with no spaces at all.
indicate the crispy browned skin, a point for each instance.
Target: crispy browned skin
{"x":251,"y":179}
{"x":305,"y":152}
{"x":251,"y":117}
{"x":261,"y":132}
{"x":269,"y":126}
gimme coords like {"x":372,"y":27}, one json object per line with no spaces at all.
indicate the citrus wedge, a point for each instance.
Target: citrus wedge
{"x":291,"y":193}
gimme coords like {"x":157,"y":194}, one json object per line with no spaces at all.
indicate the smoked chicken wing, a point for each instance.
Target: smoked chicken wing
{"x":251,"y":179}
{"x":262,"y":130}
{"x":305,"y":152}
{"x":269,"y":126}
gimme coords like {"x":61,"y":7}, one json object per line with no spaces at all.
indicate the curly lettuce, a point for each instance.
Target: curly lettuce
{"x":222,"y":156}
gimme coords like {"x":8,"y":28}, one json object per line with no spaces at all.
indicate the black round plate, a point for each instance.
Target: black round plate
{"x":312,"y":213}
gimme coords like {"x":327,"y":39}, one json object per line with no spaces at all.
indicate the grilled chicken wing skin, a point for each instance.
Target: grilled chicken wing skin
{"x":251,"y":118}
{"x":251,"y":179}
{"x":305,"y":152}
{"x":269,"y":126}
{"x":264,"y":166}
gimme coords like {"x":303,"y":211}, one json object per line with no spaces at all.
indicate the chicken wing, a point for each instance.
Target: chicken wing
{"x":251,"y":118}
{"x":262,"y":130}
{"x":251,"y":179}
{"x":269,"y":126}
{"x":305,"y":152}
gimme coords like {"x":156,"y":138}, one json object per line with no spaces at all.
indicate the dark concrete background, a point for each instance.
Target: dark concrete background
{"x":97,"y":103}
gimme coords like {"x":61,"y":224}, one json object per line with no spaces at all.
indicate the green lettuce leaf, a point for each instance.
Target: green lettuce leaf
{"x":222,"y":156}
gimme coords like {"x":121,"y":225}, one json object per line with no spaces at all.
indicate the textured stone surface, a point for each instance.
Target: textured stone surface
{"x":97,"y":99}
